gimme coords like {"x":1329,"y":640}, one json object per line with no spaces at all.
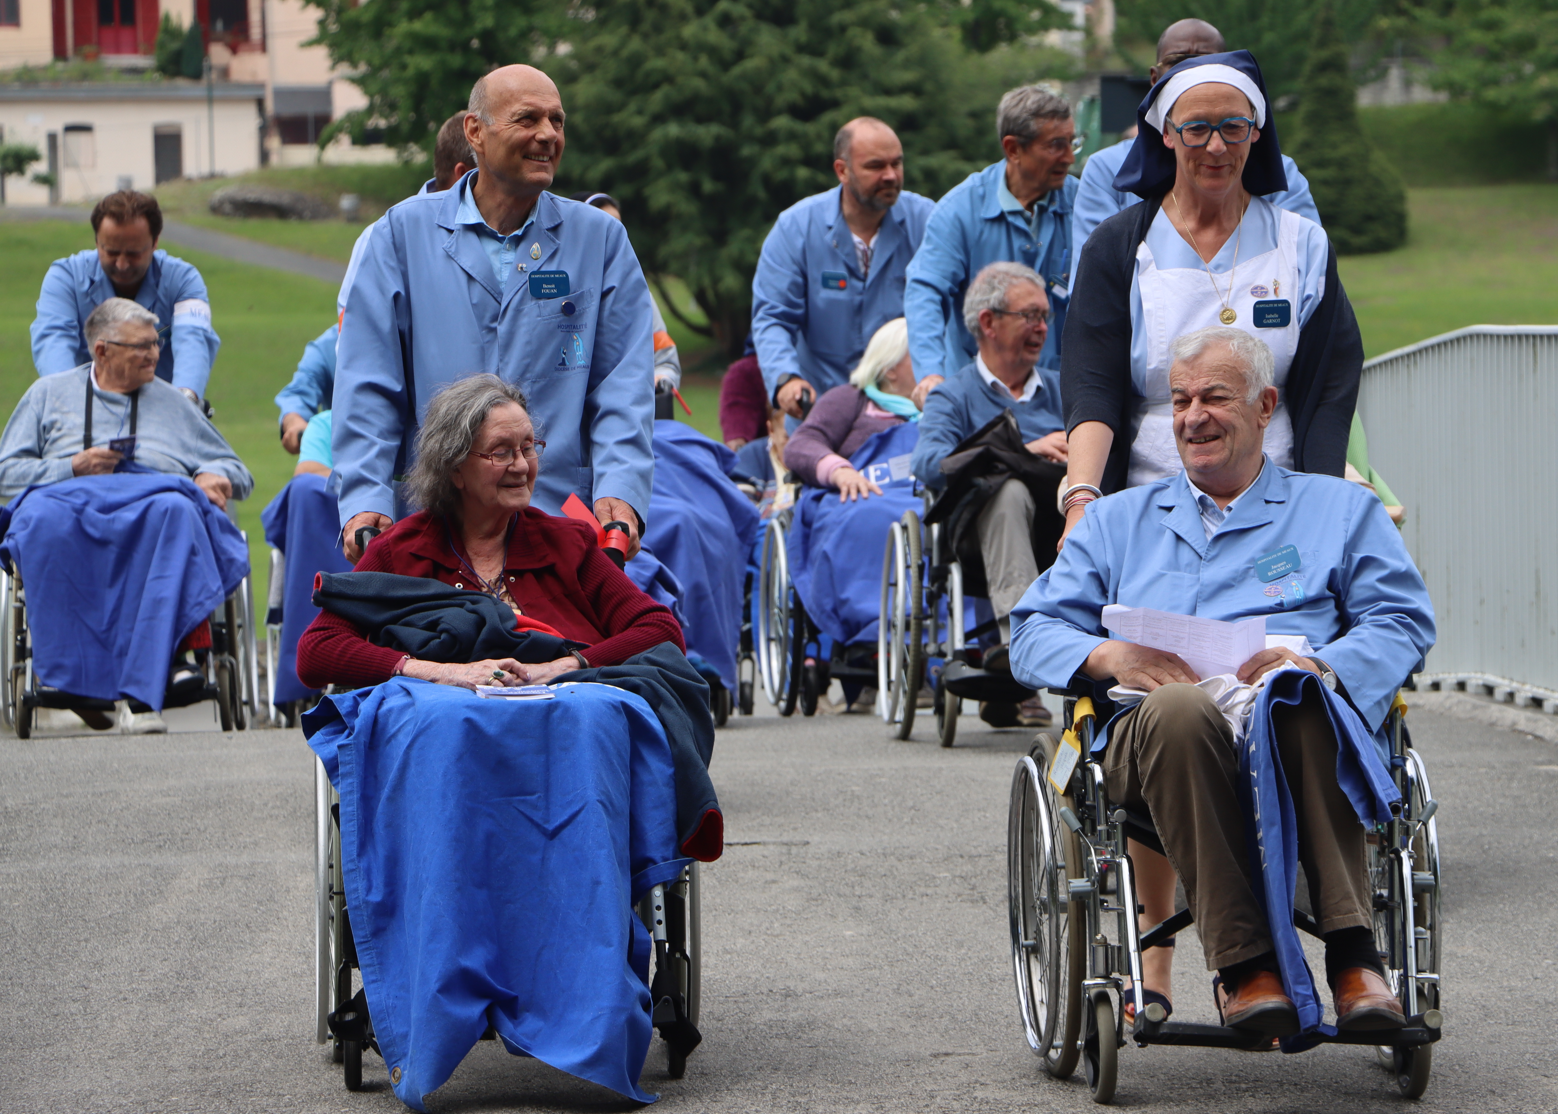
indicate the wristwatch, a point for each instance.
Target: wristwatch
{"x":1327,"y":674}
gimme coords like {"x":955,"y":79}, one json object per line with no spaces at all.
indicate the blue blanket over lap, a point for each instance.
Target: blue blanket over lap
{"x":835,"y":548}
{"x":123,"y":567}
{"x":303,"y":522}
{"x":1271,"y":829}
{"x":700,"y":527}
{"x":492,"y":852}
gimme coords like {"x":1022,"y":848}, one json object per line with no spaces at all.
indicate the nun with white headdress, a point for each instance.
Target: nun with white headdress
{"x":1203,"y":247}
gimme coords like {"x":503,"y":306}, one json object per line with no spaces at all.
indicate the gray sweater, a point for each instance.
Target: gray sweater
{"x":171,"y":436}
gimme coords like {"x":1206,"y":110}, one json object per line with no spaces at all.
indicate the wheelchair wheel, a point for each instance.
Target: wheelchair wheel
{"x":24,"y":713}
{"x":900,"y":665}
{"x":1047,"y":944}
{"x":719,"y":705}
{"x":227,"y":691}
{"x":947,"y":708}
{"x":351,"y":1062}
{"x":746,"y":704}
{"x":773,"y":615}
{"x":811,"y":688}
{"x":795,"y":672}
{"x":324,"y":887}
{"x":1101,"y":1049}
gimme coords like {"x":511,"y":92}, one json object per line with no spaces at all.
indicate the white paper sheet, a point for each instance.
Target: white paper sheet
{"x":1209,"y":646}
{"x":517,"y":692}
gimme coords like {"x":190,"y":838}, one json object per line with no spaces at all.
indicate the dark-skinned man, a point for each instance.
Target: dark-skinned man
{"x":832,"y":268}
{"x":126,"y":263}
{"x":1097,"y":200}
{"x":1017,"y":210}
{"x":499,"y":275}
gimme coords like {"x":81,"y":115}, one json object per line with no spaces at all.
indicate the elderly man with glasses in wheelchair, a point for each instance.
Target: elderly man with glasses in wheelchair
{"x":1230,"y":537}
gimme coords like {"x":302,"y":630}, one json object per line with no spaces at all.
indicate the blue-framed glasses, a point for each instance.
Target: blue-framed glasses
{"x":1198,"y":133}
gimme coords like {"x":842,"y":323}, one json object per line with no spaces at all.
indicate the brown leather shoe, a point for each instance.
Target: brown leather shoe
{"x":1364,"y":1001}
{"x":1259,"y":1005}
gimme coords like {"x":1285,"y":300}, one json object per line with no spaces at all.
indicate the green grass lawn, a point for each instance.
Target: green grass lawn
{"x":1475,"y":256}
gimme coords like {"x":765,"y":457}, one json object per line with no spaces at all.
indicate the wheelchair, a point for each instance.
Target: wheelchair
{"x":922,"y":628}
{"x":1076,"y":941}
{"x":230,"y":666}
{"x":672,"y":913}
{"x":785,"y":636}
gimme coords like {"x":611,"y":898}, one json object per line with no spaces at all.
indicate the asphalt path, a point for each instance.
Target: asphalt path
{"x":157,"y":938}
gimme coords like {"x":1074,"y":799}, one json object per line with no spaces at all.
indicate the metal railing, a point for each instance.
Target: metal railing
{"x":1464,"y":427}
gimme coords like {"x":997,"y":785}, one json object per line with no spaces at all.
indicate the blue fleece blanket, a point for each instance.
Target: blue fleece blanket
{"x":835,"y":548}
{"x":303,"y":522}
{"x":492,"y":852}
{"x":124,"y":567}
{"x":657,"y":582}
{"x":700,"y":527}
{"x":1271,"y":828}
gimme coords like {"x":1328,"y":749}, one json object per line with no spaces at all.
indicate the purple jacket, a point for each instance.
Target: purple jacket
{"x":838,"y":424}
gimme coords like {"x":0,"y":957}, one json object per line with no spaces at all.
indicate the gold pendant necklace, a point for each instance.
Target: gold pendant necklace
{"x":1228,"y":315}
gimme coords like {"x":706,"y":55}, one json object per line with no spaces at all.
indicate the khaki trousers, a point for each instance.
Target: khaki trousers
{"x":1174,"y":755}
{"x":1005,"y":526}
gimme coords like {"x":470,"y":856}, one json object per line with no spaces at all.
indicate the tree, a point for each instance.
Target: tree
{"x":192,"y":55}
{"x":1502,"y":53}
{"x":1360,"y":196}
{"x":1277,"y":34}
{"x":416,"y":60}
{"x":169,"y":50}
{"x":15,"y":158}
{"x":707,"y":118}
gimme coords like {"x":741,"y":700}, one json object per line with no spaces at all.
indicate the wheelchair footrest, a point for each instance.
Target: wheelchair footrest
{"x":351,"y":1022}
{"x":964,"y":680}
{"x":1416,"y":1031}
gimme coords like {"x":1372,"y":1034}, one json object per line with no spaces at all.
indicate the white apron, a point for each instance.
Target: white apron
{"x":1179,"y":300}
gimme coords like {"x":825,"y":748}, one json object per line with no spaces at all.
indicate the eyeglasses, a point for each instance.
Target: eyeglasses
{"x":505,"y":456}
{"x":1060,"y":146}
{"x":1198,"y":133}
{"x":1031,"y":316}
{"x":145,"y":346}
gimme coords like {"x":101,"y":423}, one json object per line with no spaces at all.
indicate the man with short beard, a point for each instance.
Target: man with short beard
{"x":832,"y":268}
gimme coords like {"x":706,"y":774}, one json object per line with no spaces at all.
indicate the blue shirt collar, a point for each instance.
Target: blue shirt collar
{"x":468,"y":214}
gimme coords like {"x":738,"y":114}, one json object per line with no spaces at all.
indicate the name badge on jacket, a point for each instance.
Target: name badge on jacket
{"x":549,"y":284}
{"x":1274,"y":313}
{"x":834,"y":280}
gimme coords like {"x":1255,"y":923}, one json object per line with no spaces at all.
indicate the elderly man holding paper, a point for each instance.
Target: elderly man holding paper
{"x":1233,"y":538}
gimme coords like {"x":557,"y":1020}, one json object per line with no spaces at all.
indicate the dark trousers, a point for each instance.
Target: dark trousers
{"x":1174,"y":755}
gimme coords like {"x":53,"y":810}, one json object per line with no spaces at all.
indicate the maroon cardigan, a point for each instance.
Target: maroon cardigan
{"x":557,"y":574}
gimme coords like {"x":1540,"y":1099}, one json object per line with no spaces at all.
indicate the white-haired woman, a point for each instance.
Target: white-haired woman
{"x":876,"y":398}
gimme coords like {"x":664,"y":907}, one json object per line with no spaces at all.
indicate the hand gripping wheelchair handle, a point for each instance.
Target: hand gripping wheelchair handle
{"x":365,"y":535}
{"x":618,"y":540}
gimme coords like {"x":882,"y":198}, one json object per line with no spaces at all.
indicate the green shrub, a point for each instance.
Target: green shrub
{"x":169,"y":50}
{"x":1361,"y":198}
{"x":192,"y":54}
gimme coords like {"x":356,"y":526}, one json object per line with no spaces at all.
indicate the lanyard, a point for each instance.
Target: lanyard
{"x":494,"y":592}
{"x":135,"y":398}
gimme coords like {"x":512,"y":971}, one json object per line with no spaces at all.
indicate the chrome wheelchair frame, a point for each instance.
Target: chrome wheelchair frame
{"x":1076,"y":941}
{"x":672,"y":912}
{"x":230,"y":665}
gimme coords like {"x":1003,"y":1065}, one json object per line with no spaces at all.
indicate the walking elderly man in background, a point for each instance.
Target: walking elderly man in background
{"x":1016,"y":210}
{"x":126,"y":263}
{"x":499,"y":275}
{"x":67,"y":424}
{"x":1232,"y":536}
{"x":1097,"y":200}
{"x":832,"y":268}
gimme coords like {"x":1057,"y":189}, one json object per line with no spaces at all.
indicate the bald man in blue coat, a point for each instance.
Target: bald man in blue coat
{"x":498,"y":275}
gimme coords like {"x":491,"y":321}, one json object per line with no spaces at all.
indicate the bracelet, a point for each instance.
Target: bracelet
{"x":583,"y":661}
{"x":1074,"y":488}
{"x":400,"y":666}
{"x":1081,"y":499}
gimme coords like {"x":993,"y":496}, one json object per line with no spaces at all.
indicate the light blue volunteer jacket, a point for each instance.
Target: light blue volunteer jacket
{"x":965,"y":403}
{"x":812,"y":312}
{"x":172,"y":289}
{"x":968,"y":230}
{"x":1098,"y":200}
{"x":1315,"y":555}
{"x":572,"y":330}
{"x":313,"y":383}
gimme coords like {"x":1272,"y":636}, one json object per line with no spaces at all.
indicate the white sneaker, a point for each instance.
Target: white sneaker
{"x":143,"y":723}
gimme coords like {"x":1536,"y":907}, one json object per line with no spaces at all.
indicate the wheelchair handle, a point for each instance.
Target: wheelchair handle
{"x":365,"y":535}
{"x":617,"y":542}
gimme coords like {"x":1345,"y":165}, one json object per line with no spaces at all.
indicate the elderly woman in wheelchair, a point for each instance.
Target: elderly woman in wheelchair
{"x":1234,"y":774}
{"x":580,"y":785}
